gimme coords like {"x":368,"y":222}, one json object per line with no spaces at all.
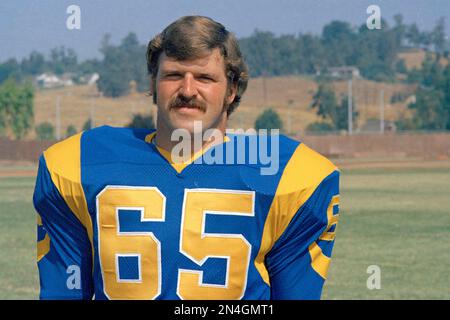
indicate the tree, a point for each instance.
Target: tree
{"x":71,"y":130}
{"x":399,"y":29}
{"x":430,"y":75}
{"x":85,"y":69}
{"x":16,"y":107}
{"x":319,"y":127}
{"x":10,"y":70}
{"x":432,"y":106}
{"x":338,"y":40}
{"x":430,"y":111}
{"x":444,"y":87}
{"x":324,"y":100}
{"x":120,"y":65}
{"x":4,"y":113}
{"x":260,"y":53}
{"x":286,"y":61}
{"x":426,"y":39}
{"x":63,"y":60}
{"x":89,"y":66}
{"x":87,"y":125}
{"x":400,"y":66}
{"x":141,"y":121}
{"x":135,"y":56}
{"x":311,"y":54}
{"x":114,"y":79}
{"x":376,"y":53}
{"x":445,"y":83}
{"x":269,"y":119}
{"x":413,"y":35}
{"x":45,"y":131}
{"x":34,"y":64}
{"x":438,"y":35}
{"x":341,"y":115}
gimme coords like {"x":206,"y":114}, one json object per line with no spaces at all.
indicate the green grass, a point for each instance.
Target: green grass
{"x":397,"y":219}
{"x":18,"y":271}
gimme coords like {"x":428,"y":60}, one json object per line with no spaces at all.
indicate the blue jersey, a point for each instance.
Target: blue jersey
{"x":118,"y":219}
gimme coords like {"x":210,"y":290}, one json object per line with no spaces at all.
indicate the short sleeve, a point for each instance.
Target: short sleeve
{"x":299,"y":260}
{"x":63,"y":248}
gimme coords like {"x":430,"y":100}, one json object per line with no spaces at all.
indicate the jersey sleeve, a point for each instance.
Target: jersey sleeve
{"x":299,"y":260}
{"x":64,"y":256}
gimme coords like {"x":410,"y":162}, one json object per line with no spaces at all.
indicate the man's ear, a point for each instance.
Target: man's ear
{"x":232,"y":90}
{"x":152,"y":89}
{"x":151,"y":86}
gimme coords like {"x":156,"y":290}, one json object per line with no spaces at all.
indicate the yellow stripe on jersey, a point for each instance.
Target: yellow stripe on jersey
{"x":319,"y":261}
{"x":64,"y":164}
{"x":332,"y":220}
{"x":302,"y":175}
{"x":43,"y":246}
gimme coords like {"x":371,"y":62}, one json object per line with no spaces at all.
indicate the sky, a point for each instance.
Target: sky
{"x":28,"y":25}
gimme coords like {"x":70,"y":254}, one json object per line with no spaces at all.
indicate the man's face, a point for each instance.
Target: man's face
{"x":192,"y":90}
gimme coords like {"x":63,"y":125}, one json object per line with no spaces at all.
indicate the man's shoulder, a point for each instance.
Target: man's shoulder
{"x":67,"y":154}
{"x":257,"y":141}
{"x":110,"y":134}
{"x":284,"y":164}
{"x":289,"y":149}
{"x":100,"y":135}
{"x":312,"y":159}
{"x":305,"y":170}
{"x":306,"y":174}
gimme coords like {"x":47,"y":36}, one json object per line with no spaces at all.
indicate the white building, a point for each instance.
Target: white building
{"x":345,"y":72}
{"x":48,"y":80}
{"x":93,"y":78}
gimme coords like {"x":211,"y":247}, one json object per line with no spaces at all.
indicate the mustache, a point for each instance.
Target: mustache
{"x":181,"y":101}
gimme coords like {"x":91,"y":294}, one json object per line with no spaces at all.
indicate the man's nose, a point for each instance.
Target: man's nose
{"x":188,"y":87}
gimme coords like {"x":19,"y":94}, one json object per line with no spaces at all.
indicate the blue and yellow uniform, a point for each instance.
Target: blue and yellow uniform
{"x":118,"y":220}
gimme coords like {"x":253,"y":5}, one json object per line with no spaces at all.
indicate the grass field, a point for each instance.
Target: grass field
{"x":397,"y":219}
{"x":18,"y":274}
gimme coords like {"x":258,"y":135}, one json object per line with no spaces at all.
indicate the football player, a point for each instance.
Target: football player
{"x":119,"y":218}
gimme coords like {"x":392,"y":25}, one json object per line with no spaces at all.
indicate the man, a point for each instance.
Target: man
{"x":120,"y":219}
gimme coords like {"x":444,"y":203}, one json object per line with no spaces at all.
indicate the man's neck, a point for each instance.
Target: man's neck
{"x":196,"y":142}
{"x":192,"y":142}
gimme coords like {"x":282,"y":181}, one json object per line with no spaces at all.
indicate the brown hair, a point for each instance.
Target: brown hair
{"x":192,"y":36}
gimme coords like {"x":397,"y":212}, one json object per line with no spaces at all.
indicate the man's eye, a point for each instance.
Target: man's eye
{"x":206,"y":78}
{"x":172,"y":76}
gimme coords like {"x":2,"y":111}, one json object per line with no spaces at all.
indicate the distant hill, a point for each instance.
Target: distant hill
{"x":290,"y":96}
{"x":414,"y":58}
